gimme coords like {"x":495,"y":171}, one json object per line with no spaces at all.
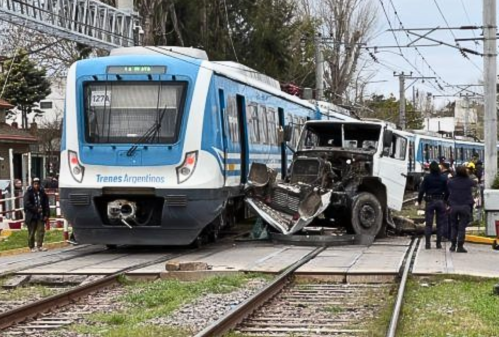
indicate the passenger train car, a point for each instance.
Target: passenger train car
{"x":157,"y":143}
{"x":425,"y":148}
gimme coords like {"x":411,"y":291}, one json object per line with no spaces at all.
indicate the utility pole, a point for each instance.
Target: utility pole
{"x":490,"y":82}
{"x":402,"y":101}
{"x":319,"y":68}
{"x":402,"y":77}
{"x":466,"y":112}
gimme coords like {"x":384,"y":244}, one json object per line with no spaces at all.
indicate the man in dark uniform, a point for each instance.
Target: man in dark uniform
{"x":434,"y":189}
{"x":461,"y":204}
{"x":446,"y":172}
{"x":37,"y":210}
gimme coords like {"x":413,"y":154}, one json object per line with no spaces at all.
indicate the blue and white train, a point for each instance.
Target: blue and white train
{"x":425,"y":148}
{"x":157,"y":143}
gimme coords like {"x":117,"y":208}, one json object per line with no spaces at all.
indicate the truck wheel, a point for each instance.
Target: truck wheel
{"x":367,"y":214}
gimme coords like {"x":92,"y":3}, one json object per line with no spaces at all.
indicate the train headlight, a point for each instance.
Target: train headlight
{"x":186,"y":170}
{"x":75,"y":167}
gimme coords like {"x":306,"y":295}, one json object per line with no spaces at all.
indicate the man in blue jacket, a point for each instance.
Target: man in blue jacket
{"x":434,"y":190}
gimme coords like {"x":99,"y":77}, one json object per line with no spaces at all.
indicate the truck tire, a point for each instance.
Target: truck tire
{"x":367,"y":214}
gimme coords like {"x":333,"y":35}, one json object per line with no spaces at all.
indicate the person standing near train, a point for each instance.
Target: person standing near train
{"x":461,"y":203}
{"x":434,"y":190}
{"x":37,"y":210}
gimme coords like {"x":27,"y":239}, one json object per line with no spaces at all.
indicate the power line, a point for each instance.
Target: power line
{"x":396,"y":39}
{"x":454,"y":36}
{"x":469,"y":21}
{"x":230,"y":30}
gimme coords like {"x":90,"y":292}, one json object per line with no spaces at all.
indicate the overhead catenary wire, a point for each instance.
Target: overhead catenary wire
{"x":397,"y":40}
{"x":230,"y":30}
{"x":454,"y":36}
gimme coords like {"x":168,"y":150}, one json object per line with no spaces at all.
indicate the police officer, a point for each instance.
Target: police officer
{"x":461,"y":203}
{"x":434,"y":189}
{"x":446,"y":172}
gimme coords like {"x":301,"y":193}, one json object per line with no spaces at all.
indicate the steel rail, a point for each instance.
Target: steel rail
{"x":31,"y":310}
{"x":392,"y":328}
{"x":237,"y":315}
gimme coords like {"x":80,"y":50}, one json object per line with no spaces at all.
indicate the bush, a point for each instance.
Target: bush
{"x":495,"y":183}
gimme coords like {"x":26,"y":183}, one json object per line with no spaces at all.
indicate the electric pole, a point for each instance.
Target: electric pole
{"x":402,"y":77}
{"x":466,"y":112}
{"x":319,"y":67}
{"x":490,"y":82}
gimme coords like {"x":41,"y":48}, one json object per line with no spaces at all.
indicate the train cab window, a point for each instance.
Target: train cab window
{"x":127,"y":111}
{"x":427,"y":152}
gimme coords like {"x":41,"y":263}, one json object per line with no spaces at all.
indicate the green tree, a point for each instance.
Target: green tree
{"x":25,"y":85}
{"x":262,"y":34}
{"x":388,"y":109}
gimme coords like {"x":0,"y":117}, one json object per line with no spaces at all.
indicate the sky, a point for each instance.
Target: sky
{"x":447,"y":64}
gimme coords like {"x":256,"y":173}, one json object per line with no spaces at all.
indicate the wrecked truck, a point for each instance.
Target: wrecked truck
{"x":347,"y":174}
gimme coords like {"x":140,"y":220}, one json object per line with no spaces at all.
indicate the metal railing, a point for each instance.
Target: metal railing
{"x":89,"y":22}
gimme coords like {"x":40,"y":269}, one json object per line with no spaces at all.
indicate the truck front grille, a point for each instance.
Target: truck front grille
{"x":282,"y":200}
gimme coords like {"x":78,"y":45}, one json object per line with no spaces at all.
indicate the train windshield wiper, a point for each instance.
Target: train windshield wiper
{"x":149,"y":135}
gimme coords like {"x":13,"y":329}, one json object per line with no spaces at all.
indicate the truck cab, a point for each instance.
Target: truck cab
{"x":346,"y":173}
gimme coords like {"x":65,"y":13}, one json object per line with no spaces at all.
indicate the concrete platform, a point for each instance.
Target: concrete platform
{"x":248,"y":257}
{"x":481,"y":260}
{"x":379,"y":262}
{"x":10,"y":264}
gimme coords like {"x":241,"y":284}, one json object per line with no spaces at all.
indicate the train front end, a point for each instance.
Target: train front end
{"x":138,"y":164}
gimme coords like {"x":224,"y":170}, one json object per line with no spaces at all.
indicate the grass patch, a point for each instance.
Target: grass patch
{"x":450,"y":306}
{"x":25,"y":293}
{"x":147,"y":300}
{"x":19,"y":239}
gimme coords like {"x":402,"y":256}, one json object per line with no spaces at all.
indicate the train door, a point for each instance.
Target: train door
{"x":235,"y":143}
{"x":284,"y":164}
{"x":225,"y":129}
{"x":243,"y":144}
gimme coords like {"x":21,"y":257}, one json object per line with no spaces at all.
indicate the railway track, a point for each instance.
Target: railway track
{"x":288,"y":308}
{"x":35,"y":310}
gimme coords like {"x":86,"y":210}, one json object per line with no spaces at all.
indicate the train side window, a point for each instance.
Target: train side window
{"x":264,"y":132}
{"x":289,"y":121}
{"x":272,"y":125}
{"x":232,"y":119}
{"x":440,"y":151}
{"x":427,"y":152}
{"x":461,"y":153}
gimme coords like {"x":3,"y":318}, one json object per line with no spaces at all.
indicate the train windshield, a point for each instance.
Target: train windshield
{"x":133,"y":112}
{"x":358,"y":136}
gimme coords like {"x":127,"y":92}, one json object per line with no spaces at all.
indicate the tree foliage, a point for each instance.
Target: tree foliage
{"x":262,"y":34}
{"x":24,"y":85}
{"x":380,"y":107}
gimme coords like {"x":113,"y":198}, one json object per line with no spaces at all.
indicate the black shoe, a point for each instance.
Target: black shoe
{"x":460,"y":249}
{"x":428,"y":246}
{"x":452,"y":247}
{"x":439,"y":245}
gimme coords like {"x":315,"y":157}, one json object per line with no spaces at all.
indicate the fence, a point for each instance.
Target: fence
{"x":16,"y":212}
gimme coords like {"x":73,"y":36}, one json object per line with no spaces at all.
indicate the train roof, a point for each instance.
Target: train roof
{"x":229,"y":69}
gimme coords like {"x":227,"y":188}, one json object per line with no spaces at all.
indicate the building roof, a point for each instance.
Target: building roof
{"x":9,"y":134}
{"x":5,"y":105}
